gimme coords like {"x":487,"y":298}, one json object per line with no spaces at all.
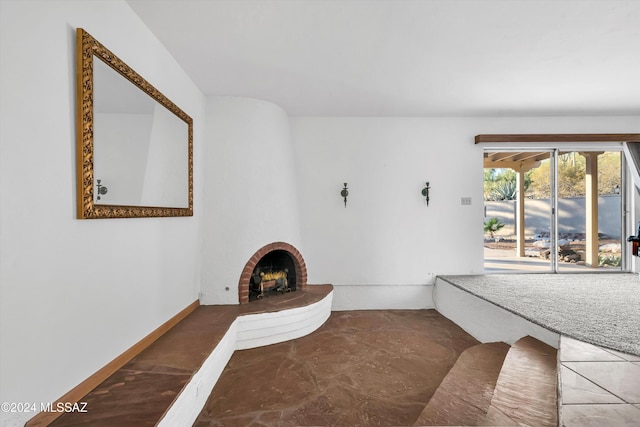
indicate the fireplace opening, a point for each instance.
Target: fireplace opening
{"x":274,"y":273}
{"x":274,"y":269}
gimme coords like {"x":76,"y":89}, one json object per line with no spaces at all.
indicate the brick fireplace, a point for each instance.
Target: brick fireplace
{"x":280,"y":253}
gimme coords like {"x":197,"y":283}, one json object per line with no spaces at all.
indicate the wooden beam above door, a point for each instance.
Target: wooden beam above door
{"x":559,"y":137}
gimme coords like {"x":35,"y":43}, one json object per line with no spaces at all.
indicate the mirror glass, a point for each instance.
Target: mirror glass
{"x":139,"y":149}
{"x":135,"y":150}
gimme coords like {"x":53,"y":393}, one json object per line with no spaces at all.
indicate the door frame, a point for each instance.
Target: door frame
{"x":574,"y":142}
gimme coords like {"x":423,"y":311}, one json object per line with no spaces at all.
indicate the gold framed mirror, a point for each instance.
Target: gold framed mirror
{"x":134,"y":147}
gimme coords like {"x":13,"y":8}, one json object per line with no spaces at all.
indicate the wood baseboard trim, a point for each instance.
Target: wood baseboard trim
{"x":78,"y":392}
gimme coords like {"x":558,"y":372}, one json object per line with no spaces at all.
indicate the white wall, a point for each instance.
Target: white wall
{"x":387,"y":235}
{"x":74,"y":294}
{"x":250,"y":190}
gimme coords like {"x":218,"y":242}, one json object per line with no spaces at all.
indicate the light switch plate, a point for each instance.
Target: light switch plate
{"x":465,"y":200}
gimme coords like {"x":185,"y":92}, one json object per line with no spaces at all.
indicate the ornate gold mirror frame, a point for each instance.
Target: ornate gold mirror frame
{"x":88,"y":48}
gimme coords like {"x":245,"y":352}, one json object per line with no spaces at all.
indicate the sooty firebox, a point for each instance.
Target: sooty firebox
{"x":274,"y":273}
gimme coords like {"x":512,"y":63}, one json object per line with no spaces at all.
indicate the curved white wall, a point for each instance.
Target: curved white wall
{"x":249,"y":190}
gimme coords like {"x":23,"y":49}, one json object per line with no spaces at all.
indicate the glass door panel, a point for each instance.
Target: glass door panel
{"x":518,"y":204}
{"x":589,"y":211}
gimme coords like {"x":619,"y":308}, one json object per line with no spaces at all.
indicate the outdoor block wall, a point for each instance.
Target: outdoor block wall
{"x":571,"y":217}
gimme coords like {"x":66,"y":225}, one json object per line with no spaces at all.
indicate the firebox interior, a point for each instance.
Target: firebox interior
{"x":274,"y":273}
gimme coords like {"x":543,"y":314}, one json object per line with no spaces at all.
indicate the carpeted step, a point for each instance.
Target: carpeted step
{"x":464,"y":396}
{"x":526,"y":391}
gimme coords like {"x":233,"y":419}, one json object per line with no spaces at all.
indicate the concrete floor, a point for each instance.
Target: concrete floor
{"x":367,"y":368}
{"x":506,"y":261}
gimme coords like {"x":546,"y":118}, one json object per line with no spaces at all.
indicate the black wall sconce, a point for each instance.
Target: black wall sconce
{"x":345,"y":193}
{"x":425,"y":193}
{"x":102,"y":190}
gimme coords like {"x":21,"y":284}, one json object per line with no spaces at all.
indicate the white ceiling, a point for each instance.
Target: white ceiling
{"x":409,"y":57}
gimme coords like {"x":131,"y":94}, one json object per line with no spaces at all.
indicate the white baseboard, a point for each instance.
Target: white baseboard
{"x":382,"y":297}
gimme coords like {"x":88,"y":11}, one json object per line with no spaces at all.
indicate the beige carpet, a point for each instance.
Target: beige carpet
{"x":599,"y":308}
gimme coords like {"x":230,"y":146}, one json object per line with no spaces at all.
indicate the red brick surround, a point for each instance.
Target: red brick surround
{"x":298,"y":261}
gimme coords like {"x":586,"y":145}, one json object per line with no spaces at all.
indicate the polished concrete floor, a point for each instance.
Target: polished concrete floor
{"x":361,"y":368}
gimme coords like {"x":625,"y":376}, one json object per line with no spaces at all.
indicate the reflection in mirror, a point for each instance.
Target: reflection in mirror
{"x":135,"y":143}
{"x":138,"y":145}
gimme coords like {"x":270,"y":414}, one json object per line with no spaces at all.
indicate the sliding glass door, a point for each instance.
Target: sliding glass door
{"x":518,"y":205}
{"x":553,"y":211}
{"x":589,"y":211}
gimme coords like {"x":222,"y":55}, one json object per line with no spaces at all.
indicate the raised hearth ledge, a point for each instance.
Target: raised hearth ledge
{"x":257,"y":325}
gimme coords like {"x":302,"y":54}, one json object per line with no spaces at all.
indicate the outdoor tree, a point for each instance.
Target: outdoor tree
{"x":608,"y":173}
{"x":571,"y":176}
